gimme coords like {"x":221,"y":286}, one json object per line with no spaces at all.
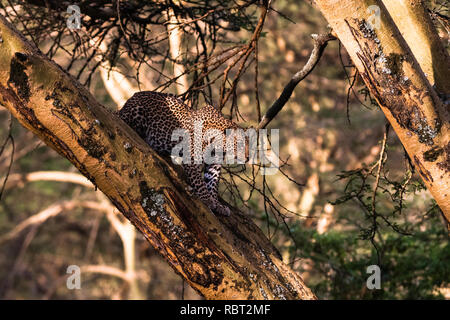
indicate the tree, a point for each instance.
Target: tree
{"x":201,"y":48}
{"x":392,"y":60}
{"x":219,"y":257}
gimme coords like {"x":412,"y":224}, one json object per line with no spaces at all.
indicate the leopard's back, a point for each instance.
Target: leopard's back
{"x":154,"y":116}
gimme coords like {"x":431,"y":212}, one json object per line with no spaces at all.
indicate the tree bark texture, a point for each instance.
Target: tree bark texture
{"x":395,"y":78}
{"x":220,"y":257}
{"x":414,"y":23}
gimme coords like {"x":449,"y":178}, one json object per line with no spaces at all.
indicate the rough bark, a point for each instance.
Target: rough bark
{"x":416,"y":27}
{"x":220,"y":257}
{"x":394,"y":77}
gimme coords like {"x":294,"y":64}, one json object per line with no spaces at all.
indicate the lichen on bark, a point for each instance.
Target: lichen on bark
{"x":18,"y":77}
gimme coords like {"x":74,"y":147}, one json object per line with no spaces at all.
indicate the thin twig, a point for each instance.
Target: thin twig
{"x":320,"y":42}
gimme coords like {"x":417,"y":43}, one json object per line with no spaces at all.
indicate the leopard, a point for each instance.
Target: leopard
{"x":155,"y":115}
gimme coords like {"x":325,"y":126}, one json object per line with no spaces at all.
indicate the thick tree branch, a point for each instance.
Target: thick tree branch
{"x":394,"y":77}
{"x":221,"y":258}
{"x":415,"y":25}
{"x":320,"y":43}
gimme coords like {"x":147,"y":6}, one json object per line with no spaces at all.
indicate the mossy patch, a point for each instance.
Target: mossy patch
{"x":384,"y":75}
{"x":151,"y":200}
{"x":424,"y":131}
{"x":394,"y":63}
{"x":94,"y":149}
{"x":445,"y":164}
{"x":18,"y":77}
{"x":432,"y":154}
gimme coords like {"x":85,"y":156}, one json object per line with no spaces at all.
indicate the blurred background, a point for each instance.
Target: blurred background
{"x":320,"y":209}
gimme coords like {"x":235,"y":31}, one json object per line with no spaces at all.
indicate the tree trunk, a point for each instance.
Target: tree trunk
{"x":174,"y":34}
{"x":220,"y":257}
{"x":395,"y":78}
{"x":416,"y":27}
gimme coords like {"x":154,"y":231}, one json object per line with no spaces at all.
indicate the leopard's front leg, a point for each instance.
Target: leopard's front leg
{"x":212,"y":177}
{"x":209,"y":197}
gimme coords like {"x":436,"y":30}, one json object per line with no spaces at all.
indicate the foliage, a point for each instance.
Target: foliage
{"x":412,"y":267}
{"x":410,"y":247}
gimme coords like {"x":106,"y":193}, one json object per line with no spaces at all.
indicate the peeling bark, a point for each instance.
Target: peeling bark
{"x":221,"y":258}
{"x":405,"y":95}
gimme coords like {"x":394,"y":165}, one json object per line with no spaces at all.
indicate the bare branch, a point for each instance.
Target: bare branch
{"x":17,"y":180}
{"x":108,"y":270}
{"x":44,"y":215}
{"x":320,"y":42}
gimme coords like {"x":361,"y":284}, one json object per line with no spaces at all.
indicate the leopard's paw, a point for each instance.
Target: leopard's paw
{"x":222,"y":210}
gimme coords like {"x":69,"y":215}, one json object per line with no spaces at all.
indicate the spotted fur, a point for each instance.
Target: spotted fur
{"x":154,"y":116}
